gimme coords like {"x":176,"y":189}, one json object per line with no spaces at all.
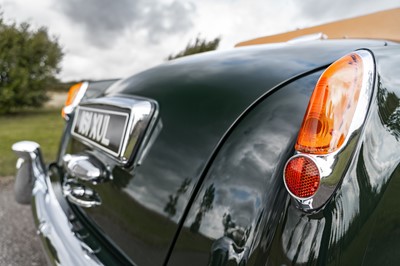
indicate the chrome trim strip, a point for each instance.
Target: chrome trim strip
{"x":62,"y":245}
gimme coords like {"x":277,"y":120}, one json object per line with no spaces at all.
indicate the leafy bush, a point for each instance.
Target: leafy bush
{"x":29,"y":60}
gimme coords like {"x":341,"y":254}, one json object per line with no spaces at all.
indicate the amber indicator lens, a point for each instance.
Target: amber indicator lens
{"x":72,"y":93}
{"x":332,"y":106}
{"x":302,"y":177}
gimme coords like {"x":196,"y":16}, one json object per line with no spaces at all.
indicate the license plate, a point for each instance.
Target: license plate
{"x":104,"y":129}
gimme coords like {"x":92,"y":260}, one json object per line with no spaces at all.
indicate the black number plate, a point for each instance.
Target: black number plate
{"x":101,"y":128}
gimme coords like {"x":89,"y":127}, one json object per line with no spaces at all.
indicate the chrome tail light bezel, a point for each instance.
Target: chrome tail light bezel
{"x":333,"y":166}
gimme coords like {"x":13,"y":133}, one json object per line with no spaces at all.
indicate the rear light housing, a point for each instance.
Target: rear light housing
{"x":330,"y":130}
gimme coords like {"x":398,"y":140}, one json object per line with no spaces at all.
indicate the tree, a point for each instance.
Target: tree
{"x":29,"y":60}
{"x":199,"y":46}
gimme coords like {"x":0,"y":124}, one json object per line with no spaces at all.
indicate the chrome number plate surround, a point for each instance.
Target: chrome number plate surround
{"x":117,"y":126}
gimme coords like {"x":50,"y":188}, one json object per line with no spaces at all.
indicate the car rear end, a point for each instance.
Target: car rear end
{"x":183,"y":164}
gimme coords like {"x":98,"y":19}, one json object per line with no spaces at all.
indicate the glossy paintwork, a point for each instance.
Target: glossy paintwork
{"x":200,"y":98}
{"x":360,"y":225}
{"x":243,"y":193}
{"x":381,"y":162}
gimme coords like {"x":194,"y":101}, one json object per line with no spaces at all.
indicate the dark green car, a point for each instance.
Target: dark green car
{"x":276,"y":154}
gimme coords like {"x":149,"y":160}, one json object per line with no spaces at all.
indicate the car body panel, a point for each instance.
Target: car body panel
{"x":380,"y":164}
{"x":243,"y":193}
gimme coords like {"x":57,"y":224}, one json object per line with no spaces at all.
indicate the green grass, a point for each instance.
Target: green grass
{"x":42,"y":126}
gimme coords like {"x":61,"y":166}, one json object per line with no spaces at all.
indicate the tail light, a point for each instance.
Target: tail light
{"x":75,"y":95}
{"x":336,"y":111}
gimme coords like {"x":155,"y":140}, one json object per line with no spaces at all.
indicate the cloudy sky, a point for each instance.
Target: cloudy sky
{"x":115,"y":38}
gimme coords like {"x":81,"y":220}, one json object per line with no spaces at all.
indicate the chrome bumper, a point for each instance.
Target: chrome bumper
{"x":61,"y":244}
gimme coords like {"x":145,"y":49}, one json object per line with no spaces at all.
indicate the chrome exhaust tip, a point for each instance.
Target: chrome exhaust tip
{"x":30,"y":165}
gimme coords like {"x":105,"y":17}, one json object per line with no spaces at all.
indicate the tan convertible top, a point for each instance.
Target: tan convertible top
{"x":379,"y":25}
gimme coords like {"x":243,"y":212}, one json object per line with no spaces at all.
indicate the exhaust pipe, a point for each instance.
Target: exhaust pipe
{"x":29,"y":166}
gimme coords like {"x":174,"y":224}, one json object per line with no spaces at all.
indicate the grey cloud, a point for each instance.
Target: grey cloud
{"x":168,"y":19}
{"x":321,"y":10}
{"x":104,"y":21}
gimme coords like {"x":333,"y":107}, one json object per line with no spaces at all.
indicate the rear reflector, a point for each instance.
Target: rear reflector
{"x":302,"y":177}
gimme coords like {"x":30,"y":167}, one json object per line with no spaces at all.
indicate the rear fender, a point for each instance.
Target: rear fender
{"x":242,"y":199}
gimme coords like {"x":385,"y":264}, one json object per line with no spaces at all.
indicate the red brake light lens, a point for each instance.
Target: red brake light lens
{"x":302,"y":177}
